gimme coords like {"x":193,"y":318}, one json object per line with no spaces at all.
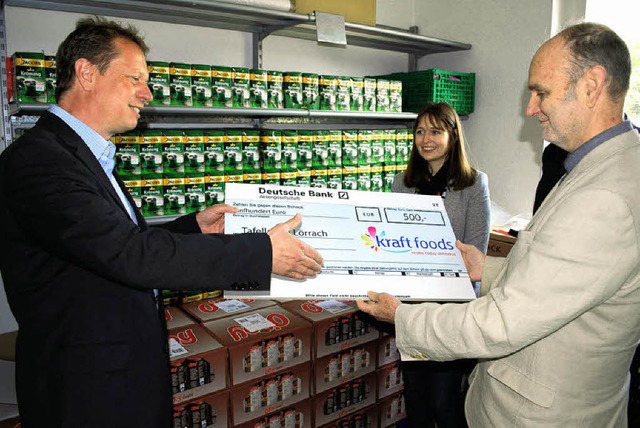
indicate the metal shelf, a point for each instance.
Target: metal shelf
{"x":201,"y":116}
{"x":259,"y":21}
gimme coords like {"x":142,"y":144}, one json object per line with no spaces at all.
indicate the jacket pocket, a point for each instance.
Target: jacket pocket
{"x":522,"y":384}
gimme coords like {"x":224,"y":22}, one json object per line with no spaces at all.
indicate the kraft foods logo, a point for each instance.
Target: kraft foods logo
{"x":379,"y":241}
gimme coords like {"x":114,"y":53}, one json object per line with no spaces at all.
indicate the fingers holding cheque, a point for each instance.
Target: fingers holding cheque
{"x":293,"y":258}
{"x":382,"y":306}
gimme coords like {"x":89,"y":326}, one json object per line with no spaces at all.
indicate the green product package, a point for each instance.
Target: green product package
{"x":306,"y":141}
{"x":233,"y":155}
{"x":357,"y":94}
{"x":304,"y":178}
{"x":194,"y":196}
{"x":404,"y":144}
{"x":335,"y":149}
{"x":214,"y":190}
{"x":213,"y":145}
{"x":310,"y":89}
{"x":201,"y":85}
{"x":389,"y":142}
{"x":395,"y":96}
{"x":327,"y":92}
{"x":222,"y":86}
{"x":173,"y":154}
{"x":194,"y":153}
{"x":258,"y":96}
{"x":343,"y":93}
{"x":174,"y":198}
{"x":271,"y":151}
{"x":180,"y":84}
{"x":152,"y":195}
{"x":275,"y":94}
{"x":350,"y":177}
{"x":364,"y":178}
{"x":292,"y":87}
{"x":29,"y":72}
{"x":252,"y":168}
{"x":382,"y":95}
{"x":377,"y":147}
{"x":334,"y":178}
{"x":151,"y":154}
{"x":128,"y":155}
{"x":289,"y":151}
{"x":369,"y":94}
{"x":388,"y":176}
{"x":318,"y":178}
{"x":377,"y":183}
{"x":50,"y":76}
{"x":350,"y":147}
{"x":241,"y":79}
{"x":321,"y":151}
{"x":159,"y":83}
{"x":364,"y":147}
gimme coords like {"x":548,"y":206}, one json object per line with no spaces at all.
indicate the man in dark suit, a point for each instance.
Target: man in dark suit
{"x":79,"y":263}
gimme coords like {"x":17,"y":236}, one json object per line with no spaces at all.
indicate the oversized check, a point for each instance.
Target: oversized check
{"x":402,"y":244}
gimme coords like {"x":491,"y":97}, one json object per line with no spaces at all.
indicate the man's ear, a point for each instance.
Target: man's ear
{"x":594,"y":82}
{"x":85,"y":73}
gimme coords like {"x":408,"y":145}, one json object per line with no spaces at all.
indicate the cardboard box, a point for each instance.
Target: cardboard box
{"x":358,"y":11}
{"x":297,"y":415}
{"x":332,"y":370}
{"x":392,"y":410}
{"x":389,"y":380}
{"x":261,"y":397}
{"x":345,"y":400}
{"x":255,"y":354}
{"x":364,"y":418}
{"x":500,"y":244}
{"x":211,"y":411}
{"x":176,"y":318}
{"x":198,"y":363}
{"x":387,"y":351}
{"x":212,"y":309}
{"x":334,"y":331}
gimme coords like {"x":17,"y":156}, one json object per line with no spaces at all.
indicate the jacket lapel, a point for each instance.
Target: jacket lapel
{"x":68,"y":138}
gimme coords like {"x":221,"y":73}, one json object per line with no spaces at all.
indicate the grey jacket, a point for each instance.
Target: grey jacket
{"x":468,"y":209}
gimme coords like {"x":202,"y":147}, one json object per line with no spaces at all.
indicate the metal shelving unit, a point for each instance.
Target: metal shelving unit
{"x":260,"y":23}
{"x":249,"y":19}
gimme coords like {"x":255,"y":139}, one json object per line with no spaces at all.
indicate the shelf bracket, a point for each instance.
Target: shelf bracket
{"x":413,"y":58}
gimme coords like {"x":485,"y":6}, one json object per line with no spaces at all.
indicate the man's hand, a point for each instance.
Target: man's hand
{"x":292,"y":257}
{"x":382,"y":306}
{"x":211,"y":220}
{"x":473,"y":260}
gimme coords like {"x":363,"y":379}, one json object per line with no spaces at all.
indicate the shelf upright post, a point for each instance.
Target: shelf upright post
{"x":413,"y":58}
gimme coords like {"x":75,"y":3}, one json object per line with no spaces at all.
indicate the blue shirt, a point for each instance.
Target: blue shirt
{"x":575,"y":157}
{"x":103,"y":150}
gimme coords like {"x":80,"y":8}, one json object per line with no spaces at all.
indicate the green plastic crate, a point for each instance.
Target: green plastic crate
{"x":435,"y":85}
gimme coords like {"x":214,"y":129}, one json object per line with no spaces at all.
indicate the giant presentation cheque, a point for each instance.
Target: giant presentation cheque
{"x":398,"y":243}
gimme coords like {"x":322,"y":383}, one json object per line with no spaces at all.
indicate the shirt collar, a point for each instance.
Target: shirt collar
{"x":103,"y":150}
{"x":575,"y":157}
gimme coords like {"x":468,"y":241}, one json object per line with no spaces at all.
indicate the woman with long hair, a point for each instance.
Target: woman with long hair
{"x":438,"y":165}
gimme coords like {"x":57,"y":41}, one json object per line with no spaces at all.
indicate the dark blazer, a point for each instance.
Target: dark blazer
{"x":79,"y":277}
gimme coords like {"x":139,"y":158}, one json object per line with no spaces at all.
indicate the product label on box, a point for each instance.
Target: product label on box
{"x":333,"y":306}
{"x":230,"y":306}
{"x":254,"y":322}
{"x":175,"y":348}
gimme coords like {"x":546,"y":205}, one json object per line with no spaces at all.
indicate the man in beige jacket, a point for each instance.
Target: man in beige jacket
{"x":559,"y":319}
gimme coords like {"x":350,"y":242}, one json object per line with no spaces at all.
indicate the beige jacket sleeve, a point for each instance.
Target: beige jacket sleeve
{"x":557,"y":270}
